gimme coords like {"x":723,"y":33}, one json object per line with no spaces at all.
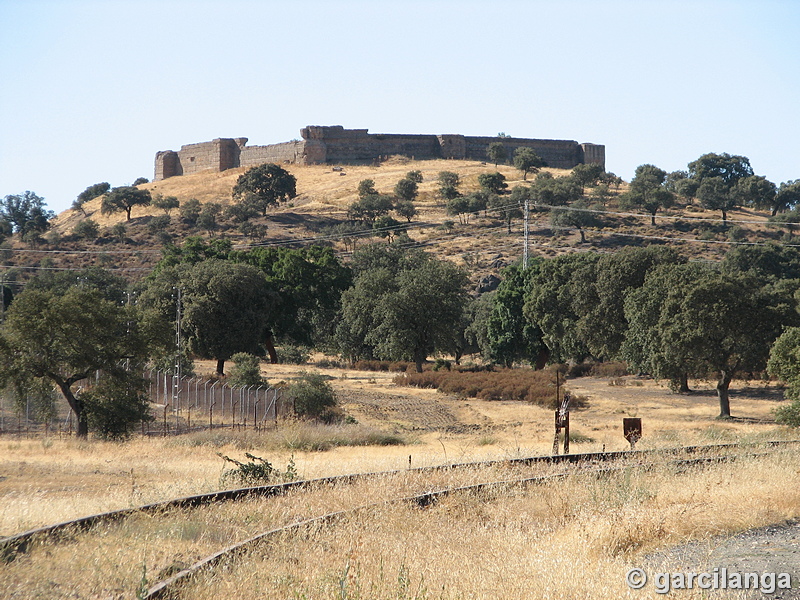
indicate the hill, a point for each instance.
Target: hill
{"x":482,"y":245}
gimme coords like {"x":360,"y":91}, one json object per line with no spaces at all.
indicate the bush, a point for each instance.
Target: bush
{"x":314,"y":398}
{"x":159,"y":223}
{"x":442,"y":365}
{"x":293,"y":355}
{"x":115,"y":407}
{"x":525,"y":385}
{"x":87,"y":230}
{"x":737,"y":233}
{"x":190,"y":210}
{"x":253,"y":230}
{"x":789,"y":415}
{"x":119,"y":231}
{"x":257,"y":471}
{"x":246,"y":371}
{"x":381,"y":365}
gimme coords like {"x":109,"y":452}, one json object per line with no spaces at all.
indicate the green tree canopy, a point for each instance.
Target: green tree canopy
{"x":648,"y":191}
{"x":415,"y":176}
{"x":448,"y":185}
{"x":370,"y":208}
{"x":729,"y":168}
{"x":549,"y":305}
{"x":165,"y":203}
{"x":366,"y":187}
{"x":492,"y":183}
{"x":497,"y":152}
{"x":226,"y":306}
{"x":68,"y":337}
{"x":90,"y":193}
{"x":690,"y":319}
{"x":124,"y":199}
{"x":406,"y":189}
{"x":405,"y":209}
{"x":26,"y":213}
{"x":265,"y":186}
{"x":308,"y":282}
{"x":527,"y":161}
{"x":587,"y":175}
{"x":787,"y":196}
{"x":579,"y":215}
{"x":510,"y":336}
{"x":552,"y":191}
{"x":755,"y":191}
{"x":599,"y":290}
{"x":509,"y":207}
{"x":715,"y":194}
{"x":404,"y":309}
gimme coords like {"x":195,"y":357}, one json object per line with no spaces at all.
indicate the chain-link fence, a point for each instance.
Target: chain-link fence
{"x":178,"y":405}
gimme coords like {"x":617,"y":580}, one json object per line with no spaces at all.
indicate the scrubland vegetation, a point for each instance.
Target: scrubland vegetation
{"x":403,"y":338}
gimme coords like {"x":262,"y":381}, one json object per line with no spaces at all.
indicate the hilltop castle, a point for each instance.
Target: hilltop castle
{"x":337,"y":145}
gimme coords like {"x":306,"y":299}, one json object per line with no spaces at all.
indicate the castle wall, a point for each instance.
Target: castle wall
{"x":218,"y":154}
{"x":287,"y":152}
{"x":594,"y":154}
{"x":335,"y":144}
{"x":559,"y":154}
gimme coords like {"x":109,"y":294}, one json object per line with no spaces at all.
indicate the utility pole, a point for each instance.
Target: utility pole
{"x":526,"y":230}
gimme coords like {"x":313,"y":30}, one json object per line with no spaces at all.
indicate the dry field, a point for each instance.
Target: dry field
{"x":573,"y":539}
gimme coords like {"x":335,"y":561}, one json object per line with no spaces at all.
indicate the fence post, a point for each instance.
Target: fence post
{"x":213,"y":397}
{"x":255,"y":409}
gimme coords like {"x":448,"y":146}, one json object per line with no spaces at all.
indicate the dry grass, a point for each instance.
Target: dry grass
{"x":544,"y":542}
{"x":109,"y":559}
{"x":570,"y":540}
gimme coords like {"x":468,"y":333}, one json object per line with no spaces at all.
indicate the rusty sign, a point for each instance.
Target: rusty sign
{"x":632,"y":430}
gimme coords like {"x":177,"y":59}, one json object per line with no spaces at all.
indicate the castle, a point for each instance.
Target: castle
{"x":337,"y":145}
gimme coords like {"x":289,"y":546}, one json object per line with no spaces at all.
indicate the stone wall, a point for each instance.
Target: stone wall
{"x":337,"y":145}
{"x":287,"y":152}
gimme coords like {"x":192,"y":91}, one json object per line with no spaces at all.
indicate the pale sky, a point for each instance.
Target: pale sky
{"x":90,"y":90}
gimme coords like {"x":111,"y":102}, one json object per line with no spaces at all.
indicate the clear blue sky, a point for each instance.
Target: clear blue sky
{"x":92,"y":89}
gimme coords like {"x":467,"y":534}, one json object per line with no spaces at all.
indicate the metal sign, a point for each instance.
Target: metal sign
{"x":632,"y":430}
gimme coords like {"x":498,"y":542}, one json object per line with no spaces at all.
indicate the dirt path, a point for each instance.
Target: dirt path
{"x":770,"y":549}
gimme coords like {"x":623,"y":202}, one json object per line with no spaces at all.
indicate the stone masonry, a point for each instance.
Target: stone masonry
{"x":337,"y":145}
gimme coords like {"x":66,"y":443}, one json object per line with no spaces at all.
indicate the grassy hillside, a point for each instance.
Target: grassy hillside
{"x":483,"y":245}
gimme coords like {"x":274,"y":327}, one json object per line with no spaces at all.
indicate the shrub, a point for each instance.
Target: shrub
{"x":314,"y":397}
{"x":246,"y":370}
{"x":525,"y":385}
{"x":87,"y":230}
{"x":115,"y":408}
{"x":159,"y":223}
{"x":789,"y":415}
{"x":190,"y":210}
{"x":382,"y":365}
{"x":119,"y":231}
{"x":293,"y":355}
{"x":737,"y":233}
{"x":257,"y":471}
{"x":610,"y":369}
{"x":442,"y":365}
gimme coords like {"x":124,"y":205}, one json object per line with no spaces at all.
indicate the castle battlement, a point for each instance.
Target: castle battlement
{"x":337,"y":145}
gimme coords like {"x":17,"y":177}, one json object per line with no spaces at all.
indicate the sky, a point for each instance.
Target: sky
{"x":91,"y":90}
